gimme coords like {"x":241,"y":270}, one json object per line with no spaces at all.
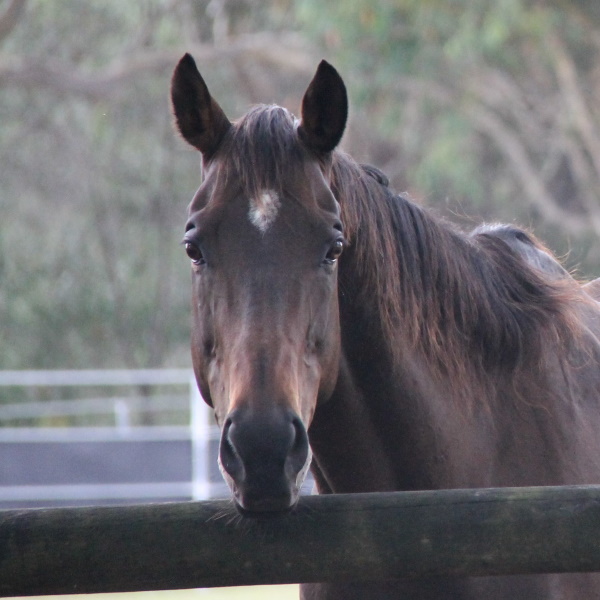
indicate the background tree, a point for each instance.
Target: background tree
{"x":95,"y":182}
{"x":493,"y":106}
{"x":478,"y":108}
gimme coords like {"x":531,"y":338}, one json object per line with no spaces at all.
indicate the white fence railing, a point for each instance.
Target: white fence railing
{"x":28,"y":444}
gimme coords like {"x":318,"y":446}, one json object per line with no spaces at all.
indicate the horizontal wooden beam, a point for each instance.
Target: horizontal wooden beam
{"x":339,"y":537}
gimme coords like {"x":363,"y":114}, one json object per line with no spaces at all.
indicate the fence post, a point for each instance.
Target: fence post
{"x":200,"y":436}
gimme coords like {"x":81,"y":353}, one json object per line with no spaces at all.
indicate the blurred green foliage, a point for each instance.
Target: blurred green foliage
{"x":492,"y":105}
{"x":482,"y":109}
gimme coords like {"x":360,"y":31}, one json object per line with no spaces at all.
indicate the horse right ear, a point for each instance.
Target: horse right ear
{"x":200,"y":120}
{"x":324,"y":110}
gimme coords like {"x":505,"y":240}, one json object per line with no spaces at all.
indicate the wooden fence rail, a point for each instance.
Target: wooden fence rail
{"x":341,"y":537}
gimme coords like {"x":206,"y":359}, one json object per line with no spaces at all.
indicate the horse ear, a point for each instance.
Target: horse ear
{"x":324,"y":110}
{"x":199,"y":118}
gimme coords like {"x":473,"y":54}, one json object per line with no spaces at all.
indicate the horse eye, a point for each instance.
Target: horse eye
{"x":334,"y":252}
{"x":194,"y":253}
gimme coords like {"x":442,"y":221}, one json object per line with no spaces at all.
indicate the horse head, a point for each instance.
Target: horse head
{"x":264,"y":236}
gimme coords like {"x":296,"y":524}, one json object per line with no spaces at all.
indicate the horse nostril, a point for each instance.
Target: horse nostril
{"x":229,"y":457}
{"x":300,"y":437}
{"x":264,"y":457}
{"x":299,"y":451}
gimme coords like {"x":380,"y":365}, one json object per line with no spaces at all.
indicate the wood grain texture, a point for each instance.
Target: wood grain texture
{"x":327,"y":538}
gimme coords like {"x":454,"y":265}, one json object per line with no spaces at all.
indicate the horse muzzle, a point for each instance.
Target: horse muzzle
{"x":264,"y":456}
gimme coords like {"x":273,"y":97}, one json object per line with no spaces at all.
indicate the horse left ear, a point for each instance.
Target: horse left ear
{"x":324,"y":110}
{"x":199,"y":118}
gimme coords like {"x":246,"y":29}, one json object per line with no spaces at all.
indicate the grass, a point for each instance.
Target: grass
{"x":257,"y":592}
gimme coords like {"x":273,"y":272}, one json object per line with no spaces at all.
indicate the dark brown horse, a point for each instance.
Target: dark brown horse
{"x":528,"y":246}
{"x":340,"y":326}
{"x":536,"y":254}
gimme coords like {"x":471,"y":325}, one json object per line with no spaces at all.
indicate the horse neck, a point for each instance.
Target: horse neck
{"x":427,"y":332}
{"x":375,"y":433}
{"x":466,"y":305}
{"x":408,"y":275}
{"x":348,"y":452}
{"x":386,"y":424}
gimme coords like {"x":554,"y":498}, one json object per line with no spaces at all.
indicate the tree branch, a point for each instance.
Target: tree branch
{"x":286,"y":50}
{"x":532,"y":184}
{"x":10,"y":17}
{"x":488,"y":122}
{"x":503,"y":95}
{"x":582,"y":119}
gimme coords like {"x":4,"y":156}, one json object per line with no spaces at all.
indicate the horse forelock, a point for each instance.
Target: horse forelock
{"x":260,"y":149}
{"x":470,"y":305}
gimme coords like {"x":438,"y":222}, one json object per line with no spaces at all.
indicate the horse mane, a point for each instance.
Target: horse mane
{"x":470,"y":304}
{"x":259,"y":148}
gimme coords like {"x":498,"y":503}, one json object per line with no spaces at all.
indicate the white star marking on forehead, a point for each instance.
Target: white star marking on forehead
{"x":264,"y":209}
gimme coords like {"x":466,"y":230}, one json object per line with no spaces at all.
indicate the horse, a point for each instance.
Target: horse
{"x":526,"y":244}
{"x":342,"y":328}
{"x":536,"y":254}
